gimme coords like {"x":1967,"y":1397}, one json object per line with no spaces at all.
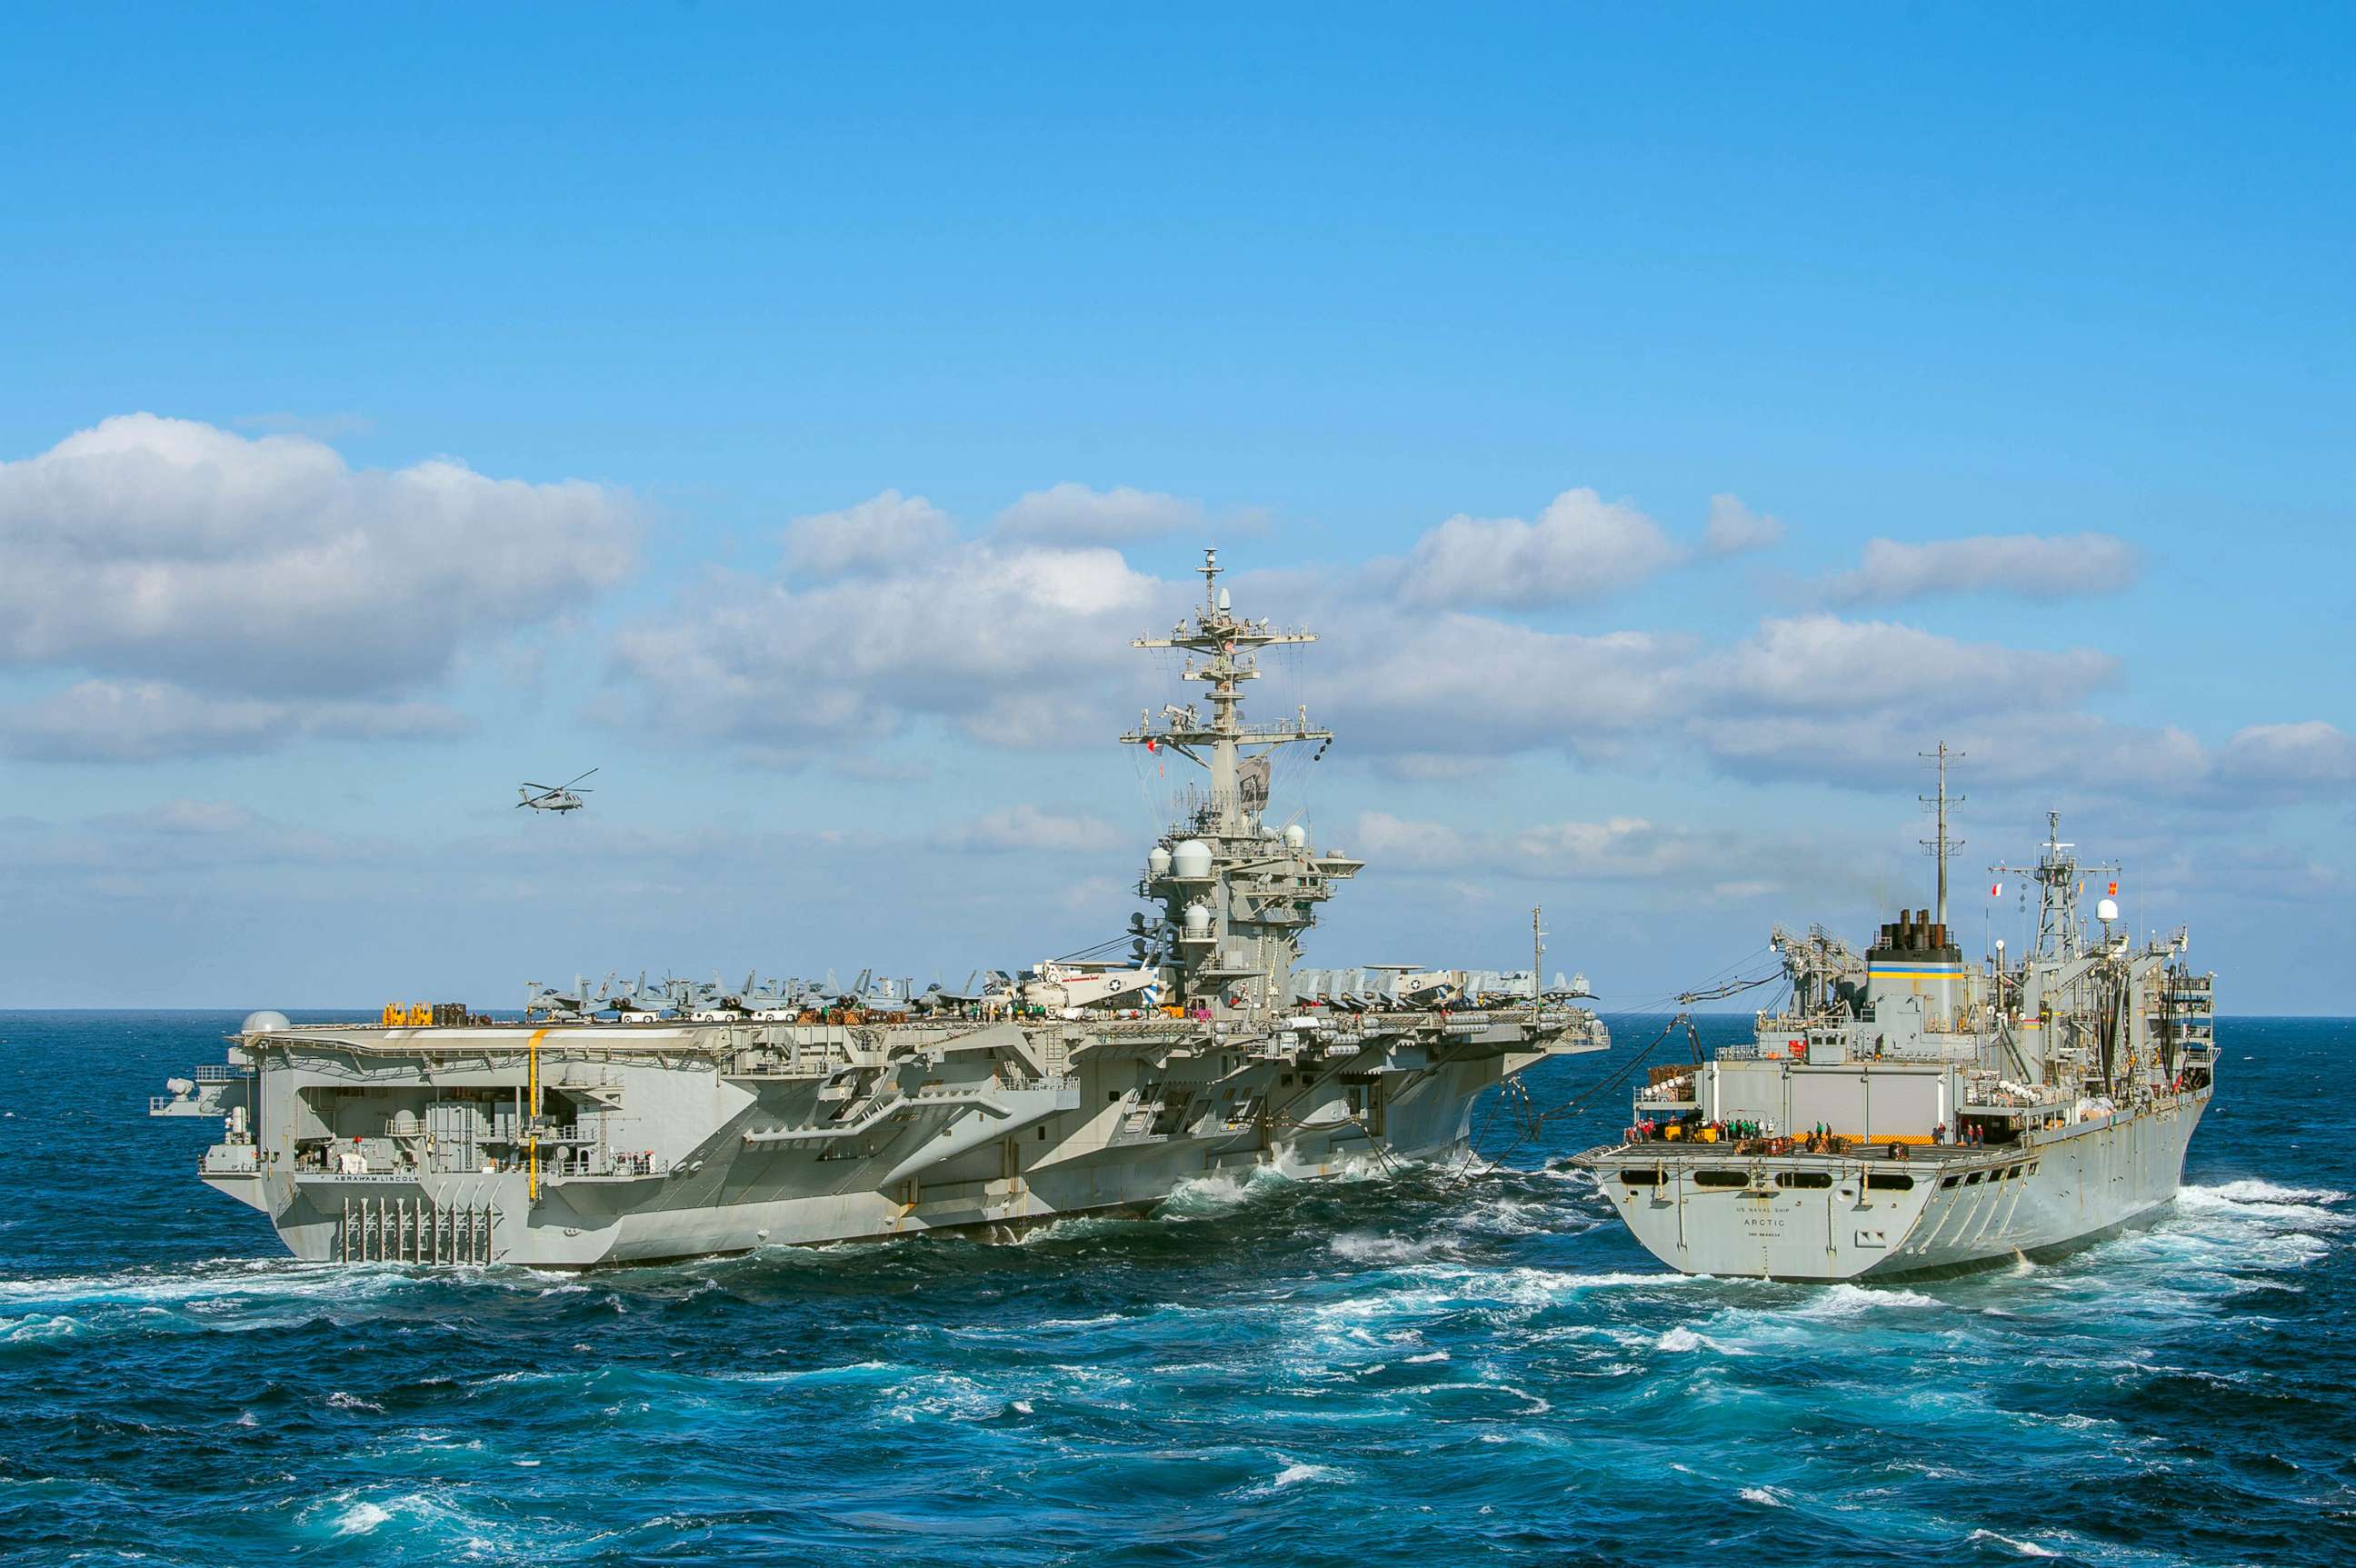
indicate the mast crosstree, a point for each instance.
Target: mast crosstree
{"x":1941,"y":844}
{"x":1229,"y":645}
{"x":2060,"y":879}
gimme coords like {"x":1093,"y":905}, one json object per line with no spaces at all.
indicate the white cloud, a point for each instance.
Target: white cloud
{"x":1009,"y":644}
{"x":169,"y":549}
{"x":1027,"y":828}
{"x":1406,"y":682}
{"x":1734,"y":528}
{"x":179,"y":844}
{"x":1619,"y":847}
{"x":184,"y":816}
{"x":2095,"y":761}
{"x":1435,"y":766}
{"x":1580,"y":548}
{"x":1823,"y":662}
{"x":2267,"y":874}
{"x":1075,"y":514}
{"x":1880,"y":749}
{"x":881,"y":535}
{"x":2313,"y":752}
{"x":2029,"y":566}
{"x":148,"y":721}
{"x":1395,"y":842}
{"x":1025,"y":646}
{"x":866,"y":770}
{"x":1718,"y":864}
{"x":1397,"y":681}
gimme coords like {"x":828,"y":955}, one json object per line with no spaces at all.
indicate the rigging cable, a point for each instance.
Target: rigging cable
{"x":1729,"y":988}
{"x":1534,"y":1121}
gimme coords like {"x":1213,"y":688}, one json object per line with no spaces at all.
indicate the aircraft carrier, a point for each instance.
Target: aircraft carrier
{"x":636,"y":1125}
{"x":1908,"y":1113}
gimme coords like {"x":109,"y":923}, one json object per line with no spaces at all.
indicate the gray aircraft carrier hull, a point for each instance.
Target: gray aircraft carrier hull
{"x":633,"y":1125}
{"x":716,"y":1140}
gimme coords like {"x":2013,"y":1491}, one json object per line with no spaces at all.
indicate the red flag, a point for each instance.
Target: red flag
{"x":2113,"y":892}
{"x":1996,"y":891}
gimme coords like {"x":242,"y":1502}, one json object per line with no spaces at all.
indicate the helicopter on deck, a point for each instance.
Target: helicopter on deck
{"x":564,"y":797}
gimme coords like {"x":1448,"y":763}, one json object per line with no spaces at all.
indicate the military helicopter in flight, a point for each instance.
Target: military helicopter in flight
{"x":564,"y":797}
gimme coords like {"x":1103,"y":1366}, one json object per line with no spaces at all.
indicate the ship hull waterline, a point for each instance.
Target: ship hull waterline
{"x":1957,"y":1209}
{"x":732,"y":1198}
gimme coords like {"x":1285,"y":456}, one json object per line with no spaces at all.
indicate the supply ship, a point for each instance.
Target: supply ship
{"x":636,"y":1126}
{"x":1908,"y":1113}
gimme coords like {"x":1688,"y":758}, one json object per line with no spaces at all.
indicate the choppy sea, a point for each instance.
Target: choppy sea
{"x":1402,"y":1367}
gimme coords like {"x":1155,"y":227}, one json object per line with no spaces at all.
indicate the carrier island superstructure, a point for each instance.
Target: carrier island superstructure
{"x":1908,"y":1113}
{"x":634,"y":1128}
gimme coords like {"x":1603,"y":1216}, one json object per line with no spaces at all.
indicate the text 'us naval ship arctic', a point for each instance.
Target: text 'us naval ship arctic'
{"x":1906,"y":1113}
{"x":691,"y":1123}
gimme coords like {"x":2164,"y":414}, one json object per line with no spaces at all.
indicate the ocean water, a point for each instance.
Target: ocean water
{"x":1406,"y":1367}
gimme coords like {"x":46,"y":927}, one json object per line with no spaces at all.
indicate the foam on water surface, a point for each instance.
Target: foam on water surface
{"x":1407,"y":1365}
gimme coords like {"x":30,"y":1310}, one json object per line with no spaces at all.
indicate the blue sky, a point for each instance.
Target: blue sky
{"x":500,"y":364}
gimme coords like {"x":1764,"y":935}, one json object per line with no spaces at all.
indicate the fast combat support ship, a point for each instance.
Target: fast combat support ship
{"x":1907,"y":1114}
{"x":636,"y":1126}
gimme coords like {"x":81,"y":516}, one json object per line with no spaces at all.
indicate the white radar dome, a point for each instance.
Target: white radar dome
{"x":1192,"y":859}
{"x":262,"y":1022}
{"x":1157,"y":861}
{"x":1296,"y":837}
{"x":1198,"y":919}
{"x":2108,"y":909}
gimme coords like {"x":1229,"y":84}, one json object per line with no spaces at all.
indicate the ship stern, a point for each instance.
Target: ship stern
{"x":1808,"y":1220}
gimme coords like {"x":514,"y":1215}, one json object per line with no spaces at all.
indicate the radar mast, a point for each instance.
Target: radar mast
{"x":1229,"y":645}
{"x":1236,"y":894}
